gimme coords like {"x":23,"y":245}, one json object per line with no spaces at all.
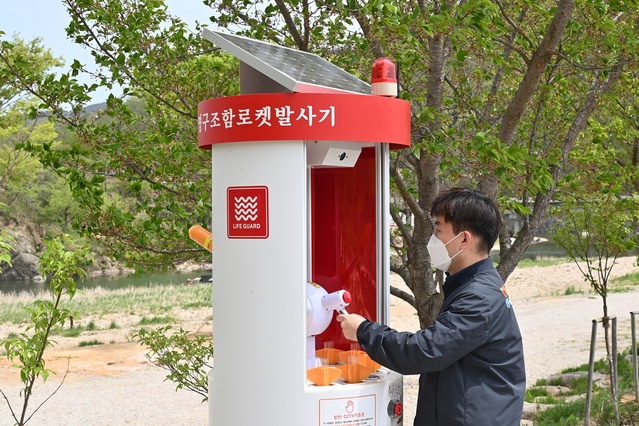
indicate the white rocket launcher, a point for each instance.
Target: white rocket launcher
{"x":319,"y":313}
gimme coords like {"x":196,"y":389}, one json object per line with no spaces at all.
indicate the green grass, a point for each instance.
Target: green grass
{"x":539,"y":396}
{"x":90,"y":343}
{"x":579,"y":386}
{"x":98,"y":302}
{"x":79,"y":329}
{"x":67,"y":332}
{"x":625,"y":283}
{"x":571,"y":414}
{"x":556,"y":382}
{"x":601,"y":412}
{"x":156,"y":320}
{"x":571,"y":290}
{"x":600,"y":365}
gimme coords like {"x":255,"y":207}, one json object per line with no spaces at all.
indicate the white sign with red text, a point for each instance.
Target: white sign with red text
{"x":352,"y":411}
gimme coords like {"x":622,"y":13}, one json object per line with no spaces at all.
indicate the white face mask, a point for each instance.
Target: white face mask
{"x":439,"y":257}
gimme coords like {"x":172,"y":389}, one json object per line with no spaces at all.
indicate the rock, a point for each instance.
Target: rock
{"x":190,"y":266}
{"x":27,"y":243}
{"x":531,"y":408}
{"x":574,"y":398}
{"x":28,"y":238}
{"x":24,"y":267}
{"x":566,"y":379}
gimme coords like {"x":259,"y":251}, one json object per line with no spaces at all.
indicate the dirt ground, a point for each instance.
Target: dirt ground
{"x":114,"y":384}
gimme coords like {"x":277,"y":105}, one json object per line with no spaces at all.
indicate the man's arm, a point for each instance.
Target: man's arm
{"x":456,"y":332}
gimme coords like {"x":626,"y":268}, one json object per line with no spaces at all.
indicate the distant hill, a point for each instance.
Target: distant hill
{"x":95,"y":107}
{"x":88,"y":110}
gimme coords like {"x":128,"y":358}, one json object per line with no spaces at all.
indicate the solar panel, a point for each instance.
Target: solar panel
{"x":296,"y":70}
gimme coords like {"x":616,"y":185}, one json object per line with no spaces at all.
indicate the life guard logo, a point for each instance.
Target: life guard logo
{"x":503,"y":290}
{"x":247,"y":212}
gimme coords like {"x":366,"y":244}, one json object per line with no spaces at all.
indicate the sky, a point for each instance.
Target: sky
{"x":48,"y":19}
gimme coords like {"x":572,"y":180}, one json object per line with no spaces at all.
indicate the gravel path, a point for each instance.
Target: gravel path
{"x":139,"y":397}
{"x":115,"y":385}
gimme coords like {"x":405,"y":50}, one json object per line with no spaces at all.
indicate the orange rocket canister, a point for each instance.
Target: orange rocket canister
{"x":201,"y":236}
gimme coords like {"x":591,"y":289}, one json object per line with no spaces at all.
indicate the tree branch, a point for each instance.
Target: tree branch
{"x":411,"y":202}
{"x":512,"y":23}
{"x":53,"y":393}
{"x":144,"y":177}
{"x":406,"y":297}
{"x":376,"y":45}
{"x":537,"y":66}
{"x":290,"y":24}
{"x":402,"y":229}
{"x":508,"y":44}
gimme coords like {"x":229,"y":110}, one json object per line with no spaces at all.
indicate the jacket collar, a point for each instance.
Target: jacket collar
{"x":464,"y":276}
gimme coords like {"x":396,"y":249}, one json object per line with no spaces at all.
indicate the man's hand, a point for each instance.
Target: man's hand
{"x":350,"y":323}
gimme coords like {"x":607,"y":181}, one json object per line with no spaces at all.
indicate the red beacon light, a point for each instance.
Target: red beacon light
{"x":384,"y":78}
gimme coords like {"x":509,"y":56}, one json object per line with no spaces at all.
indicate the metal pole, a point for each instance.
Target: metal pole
{"x":614,"y":375}
{"x":634,"y":352}
{"x":591,"y":367}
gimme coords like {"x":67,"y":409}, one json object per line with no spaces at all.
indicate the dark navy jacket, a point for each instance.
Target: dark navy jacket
{"x":470,"y":359}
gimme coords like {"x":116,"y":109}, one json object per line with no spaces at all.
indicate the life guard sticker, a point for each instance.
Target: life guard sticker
{"x":247,"y":212}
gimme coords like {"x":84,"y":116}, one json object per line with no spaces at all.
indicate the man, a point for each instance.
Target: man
{"x":471,"y":358}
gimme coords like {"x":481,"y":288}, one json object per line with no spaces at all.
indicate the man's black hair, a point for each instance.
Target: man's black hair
{"x":469,"y":210}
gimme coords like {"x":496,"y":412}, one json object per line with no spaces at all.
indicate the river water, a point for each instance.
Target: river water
{"x":535,"y":251}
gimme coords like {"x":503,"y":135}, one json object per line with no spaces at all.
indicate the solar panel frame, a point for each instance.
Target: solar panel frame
{"x":297,"y":71}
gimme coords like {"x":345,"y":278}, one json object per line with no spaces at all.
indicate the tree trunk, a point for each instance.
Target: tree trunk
{"x":428,"y":299}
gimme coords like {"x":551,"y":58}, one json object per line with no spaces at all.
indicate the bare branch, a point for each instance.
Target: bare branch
{"x":402,"y":229}
{"x":511,"y":46}
{"x":406,"y":297}
{"x":53,"y":393}
{"x":13,"y":414}
{"x":512,"y":23}
{"x":411,"y":202}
